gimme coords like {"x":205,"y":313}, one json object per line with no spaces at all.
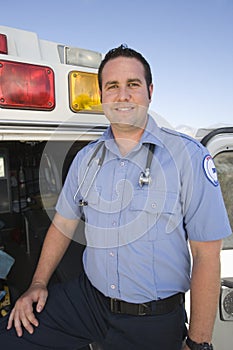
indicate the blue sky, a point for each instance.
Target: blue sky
{"x":189,"y":44}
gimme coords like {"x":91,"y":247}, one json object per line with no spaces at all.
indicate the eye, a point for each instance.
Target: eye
{"x":133,"y":84}
{"x":112,"y":86}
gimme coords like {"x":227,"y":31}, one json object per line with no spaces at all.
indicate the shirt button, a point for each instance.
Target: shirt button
{"x":154,"y":205}
{"x":113,"y":286}
{"x":122,"y":163}
{"x":111,"y":254}
{"x":114,"y":223}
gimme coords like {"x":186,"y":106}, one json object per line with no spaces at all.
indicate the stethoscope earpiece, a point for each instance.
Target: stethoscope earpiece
{"x":82,"y":203}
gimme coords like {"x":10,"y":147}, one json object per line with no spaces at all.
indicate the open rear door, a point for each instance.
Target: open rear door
{"x":220,"y":144}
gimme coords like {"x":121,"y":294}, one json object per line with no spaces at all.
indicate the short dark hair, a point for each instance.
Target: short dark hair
{"x":124,"y":51}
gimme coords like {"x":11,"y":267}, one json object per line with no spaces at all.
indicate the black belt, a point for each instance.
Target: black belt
{"x":155,"y":307}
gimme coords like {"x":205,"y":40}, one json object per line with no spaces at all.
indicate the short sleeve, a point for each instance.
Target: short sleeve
{"x":67,"y":205}
{"x":205,"y":215}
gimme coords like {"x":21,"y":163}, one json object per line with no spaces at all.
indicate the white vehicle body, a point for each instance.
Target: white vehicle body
{"x":36,"y":140}
{"x":220,"y":144}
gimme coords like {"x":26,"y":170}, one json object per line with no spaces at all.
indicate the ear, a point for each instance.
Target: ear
{"x":151,"y":88}
{"x":100,"y":94}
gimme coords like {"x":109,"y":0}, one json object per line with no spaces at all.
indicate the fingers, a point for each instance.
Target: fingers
{"x":22,"y":315}
{"x":41,"y":302}
{"x":10,"y":320}
{"x":21,"y":319}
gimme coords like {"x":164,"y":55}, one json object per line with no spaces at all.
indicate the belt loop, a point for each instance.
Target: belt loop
{"x":115,"y":306}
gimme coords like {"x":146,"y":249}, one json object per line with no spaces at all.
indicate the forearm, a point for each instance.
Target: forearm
{"x":205,"y":288}
{"x":55,"y":245}
{"x":53,"y":249}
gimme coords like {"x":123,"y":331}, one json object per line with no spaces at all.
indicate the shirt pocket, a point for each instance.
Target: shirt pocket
{"x":91,"y":210}
{"x":158,"y":212}
{"x":94,"y":232}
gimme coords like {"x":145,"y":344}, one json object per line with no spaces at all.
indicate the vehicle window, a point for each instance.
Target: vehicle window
{"x":224,"y":165}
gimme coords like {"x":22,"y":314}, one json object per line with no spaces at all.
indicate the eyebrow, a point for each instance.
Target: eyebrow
{"x":134,"y":80}
{"x":113,"y":82}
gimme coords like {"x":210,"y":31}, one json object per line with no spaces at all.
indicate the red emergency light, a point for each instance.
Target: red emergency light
{"x":26,"y":86}
{"x":3,"y":44}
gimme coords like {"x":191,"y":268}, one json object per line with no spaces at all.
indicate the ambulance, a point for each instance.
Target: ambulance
{"x":49,"y":109}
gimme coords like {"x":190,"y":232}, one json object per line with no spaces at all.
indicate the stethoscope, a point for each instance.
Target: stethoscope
{"x":144,"y":178}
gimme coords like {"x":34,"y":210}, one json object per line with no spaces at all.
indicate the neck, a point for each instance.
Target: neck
{"x":126,"y":141}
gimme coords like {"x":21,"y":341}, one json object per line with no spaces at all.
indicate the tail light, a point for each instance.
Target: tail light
{"x":3,"y":44}
{"x":26,"y":86}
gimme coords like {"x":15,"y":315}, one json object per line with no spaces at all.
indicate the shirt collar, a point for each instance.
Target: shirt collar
{"x":151,"y":134}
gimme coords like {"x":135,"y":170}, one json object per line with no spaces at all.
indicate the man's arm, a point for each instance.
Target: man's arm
{"x":55,"y":245}
{"x":205,"y":289}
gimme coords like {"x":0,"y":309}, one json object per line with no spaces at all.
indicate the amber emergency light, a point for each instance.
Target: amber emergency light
{"x":26,"y":86}
{"x":84,"y":92}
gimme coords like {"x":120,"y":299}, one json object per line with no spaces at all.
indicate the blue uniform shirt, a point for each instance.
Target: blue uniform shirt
{"x":137,"y":236}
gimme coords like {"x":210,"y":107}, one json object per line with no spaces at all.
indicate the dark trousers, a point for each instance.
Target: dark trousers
{"x":76,"y":314}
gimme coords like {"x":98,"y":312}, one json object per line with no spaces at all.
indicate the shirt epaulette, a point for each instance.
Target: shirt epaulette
{"x":184,"y":136}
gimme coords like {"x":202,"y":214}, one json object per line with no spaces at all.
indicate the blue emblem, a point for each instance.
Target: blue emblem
{"x":210,"y":170}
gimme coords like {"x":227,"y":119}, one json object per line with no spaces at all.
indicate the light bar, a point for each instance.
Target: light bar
{"x":81,"y":57}
{"x":26,"y":86}
{"x":84,"y":92}
{"x":3,"y":44}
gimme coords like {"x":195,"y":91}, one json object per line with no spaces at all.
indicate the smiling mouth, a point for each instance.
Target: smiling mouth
{"x":124,"y":108}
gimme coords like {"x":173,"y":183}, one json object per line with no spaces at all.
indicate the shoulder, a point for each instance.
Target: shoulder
{"x":177,"y":134}
{"x":83,"y":156}
{"x":199,"y":155}
{"x":89,"y":148}
{"x":179,"y":140}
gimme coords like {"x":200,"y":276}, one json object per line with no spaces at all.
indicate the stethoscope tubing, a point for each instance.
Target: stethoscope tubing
{"x":100,"y":163}
{"x":144,"y":178}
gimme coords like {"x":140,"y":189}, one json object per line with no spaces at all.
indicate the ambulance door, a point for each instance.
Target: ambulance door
{"x":220,"y":144}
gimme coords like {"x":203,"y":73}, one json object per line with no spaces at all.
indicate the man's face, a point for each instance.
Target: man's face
{"x":125,"y":95}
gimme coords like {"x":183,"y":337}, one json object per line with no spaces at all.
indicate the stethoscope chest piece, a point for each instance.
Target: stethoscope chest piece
{"x":145,"y":178}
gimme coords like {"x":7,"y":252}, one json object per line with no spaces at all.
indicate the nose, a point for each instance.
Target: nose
{"x":123,"y":94}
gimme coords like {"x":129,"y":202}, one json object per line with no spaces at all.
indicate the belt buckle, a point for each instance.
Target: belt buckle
{"x":137,"y":310}
{"x":142,"y":309}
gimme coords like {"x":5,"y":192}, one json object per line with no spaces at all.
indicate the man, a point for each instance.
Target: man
{"x":148,"y":193}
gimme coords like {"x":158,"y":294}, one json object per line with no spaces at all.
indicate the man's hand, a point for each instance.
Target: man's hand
{"x":22,"y":314}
